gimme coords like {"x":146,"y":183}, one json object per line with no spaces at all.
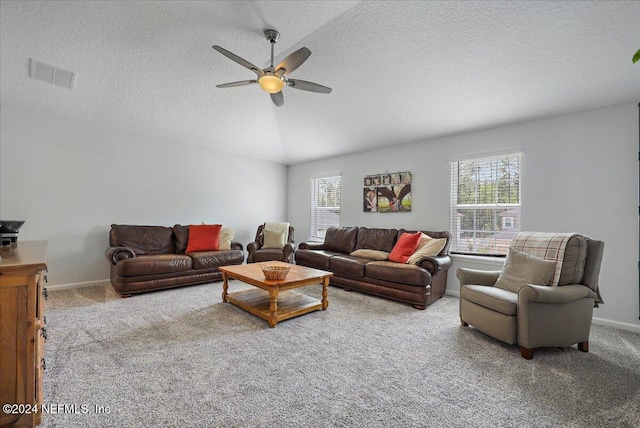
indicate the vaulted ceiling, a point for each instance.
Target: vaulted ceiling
{"x":401,"y":71}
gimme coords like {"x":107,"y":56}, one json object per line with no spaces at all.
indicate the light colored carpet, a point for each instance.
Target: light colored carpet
{"x":182,"y":358}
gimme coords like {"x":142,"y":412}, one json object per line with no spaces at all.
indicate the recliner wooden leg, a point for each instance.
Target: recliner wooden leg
{"x":527,"y":353}
{"x":584,"y":346}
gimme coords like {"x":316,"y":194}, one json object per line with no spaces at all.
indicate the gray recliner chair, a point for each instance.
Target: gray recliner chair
{"x":537,"y":315}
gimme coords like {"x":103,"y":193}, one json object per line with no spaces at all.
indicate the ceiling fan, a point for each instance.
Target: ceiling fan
{"x":273,"y":79}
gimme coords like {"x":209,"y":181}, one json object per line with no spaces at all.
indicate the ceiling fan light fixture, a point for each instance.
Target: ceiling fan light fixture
{"x":271,"y":83}
{"x":274,"y":78}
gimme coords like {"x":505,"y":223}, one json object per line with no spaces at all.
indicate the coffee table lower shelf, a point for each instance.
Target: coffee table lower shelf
{"x":290,"y":304}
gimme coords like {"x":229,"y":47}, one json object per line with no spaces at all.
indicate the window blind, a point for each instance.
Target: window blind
{"x":325,"y":205}
{"x":485,"y":205}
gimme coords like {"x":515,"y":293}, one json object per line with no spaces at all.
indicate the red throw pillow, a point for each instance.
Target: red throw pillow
{"x":405,"y":247}
{"x":203,"y":237}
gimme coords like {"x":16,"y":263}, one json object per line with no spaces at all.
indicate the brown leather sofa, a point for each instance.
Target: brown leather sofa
{"x":149,"y":258}
{"x":419,"y":285}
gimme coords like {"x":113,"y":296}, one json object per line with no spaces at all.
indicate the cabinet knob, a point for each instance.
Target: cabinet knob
{"x":45,"y":293}
{"x":43,"y":332}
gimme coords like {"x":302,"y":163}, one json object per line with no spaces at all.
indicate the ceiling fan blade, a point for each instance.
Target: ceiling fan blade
{"x":308,"y":86}
{"x":277,"y":98}
{"x":234,"y":84}
{"x":293,"y":61}
{"x":242,"y":62}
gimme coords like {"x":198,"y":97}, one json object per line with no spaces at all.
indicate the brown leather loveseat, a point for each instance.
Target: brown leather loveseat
{"x":149,"y":258}
{"x":419,"y":285}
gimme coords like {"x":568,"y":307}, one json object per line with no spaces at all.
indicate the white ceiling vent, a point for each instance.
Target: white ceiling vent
{"x":48,"y":73}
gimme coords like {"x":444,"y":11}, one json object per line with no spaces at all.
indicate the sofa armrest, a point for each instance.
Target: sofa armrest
{"x":311,"y":246}
{"x":288,"y":249}
{"x":545,"y":294}
{"x":115,"y":254}
{"x":477,"y":277}
{"x":237,"y":246}
{"x":435,"y":265}
{"x":252,"y":247}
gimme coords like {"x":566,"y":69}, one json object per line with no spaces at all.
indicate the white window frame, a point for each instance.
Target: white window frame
{"x":317,"y":228}
{"x":476,"y":241}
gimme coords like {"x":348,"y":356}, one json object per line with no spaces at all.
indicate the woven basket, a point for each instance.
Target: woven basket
{"x":275,"y":273}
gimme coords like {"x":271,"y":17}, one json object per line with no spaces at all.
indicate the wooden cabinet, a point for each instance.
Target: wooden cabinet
{"x":22,"y":331}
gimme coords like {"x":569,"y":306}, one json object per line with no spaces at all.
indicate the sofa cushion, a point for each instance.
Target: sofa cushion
{"x":143,"y":239}
{"x":267,"y":254}
{"x":575,"y":255}
{"x":341,"y":239}
{"x":521,"y":269}
{"x":376,"y":239}
{"x":370,"y":254}
{"x":318,"y":259}
{"x":181,"y":234}
{"x":203,"y":237}
{"x":497,"y":299}
{"x":397,"y":272}
{"x":215,"y":259}
{"x":405,"y":246}
{"x":154,"y":264}
{"x":347,"y":265}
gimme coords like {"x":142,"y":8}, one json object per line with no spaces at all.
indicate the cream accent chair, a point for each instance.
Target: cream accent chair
{"x":537,"y":316}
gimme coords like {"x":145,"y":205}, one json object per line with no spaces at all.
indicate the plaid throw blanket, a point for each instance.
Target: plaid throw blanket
{"x":548,"y":246}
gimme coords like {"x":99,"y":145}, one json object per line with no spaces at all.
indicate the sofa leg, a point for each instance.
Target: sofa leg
{"x":421,"y":307}
{"x":347,"y":289}
{"x":527,"y":353}
{"x":584,"y":346}
{"x":124,"y":296}
{"x":464,"y":323}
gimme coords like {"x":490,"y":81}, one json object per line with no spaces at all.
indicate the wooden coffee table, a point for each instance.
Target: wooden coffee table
{"x":275,"y":301}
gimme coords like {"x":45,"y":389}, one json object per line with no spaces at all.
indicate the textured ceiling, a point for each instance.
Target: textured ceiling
{"x":400,"y":71}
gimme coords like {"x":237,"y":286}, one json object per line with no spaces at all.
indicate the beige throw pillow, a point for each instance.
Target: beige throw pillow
{"x":370,"y":254}
{"x":521,"y":269}
{"x":226,"y":237}
{"x":273,"y":239}
{"x":427,"y":247}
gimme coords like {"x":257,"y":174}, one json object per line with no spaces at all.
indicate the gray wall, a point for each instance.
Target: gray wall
{"x":70,"y":181}
{"x":579,"y":174}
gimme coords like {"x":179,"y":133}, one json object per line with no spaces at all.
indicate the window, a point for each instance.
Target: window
{"x":485,"y":203}
{"x":325,"y":205}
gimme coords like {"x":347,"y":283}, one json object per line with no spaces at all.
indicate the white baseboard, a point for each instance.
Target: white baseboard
{"x":600,"y":321}
{"x":100,"y":282}
{"x":617,"y":324}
